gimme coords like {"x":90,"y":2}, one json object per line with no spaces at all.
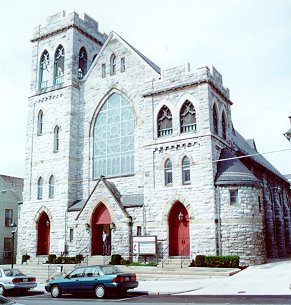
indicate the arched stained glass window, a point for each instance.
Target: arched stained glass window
{"x":51,"y":186}
{"x":165,"y":122}
{"x":39,"y":123}
{"x":56,"y":138}
{"x":168,"y":172}
{"x":186,"y":178}
{"x":59,"y":65}
{"x":114,"y":138}
{"x":39,"y":188}
{"x":44,"y":73}
{"x":188,"y":117}
{"x":83,"y":62}
{"x":223,"y":126}
{"x":215,"y":120}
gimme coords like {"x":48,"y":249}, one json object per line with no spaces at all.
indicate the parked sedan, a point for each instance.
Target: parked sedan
{"x":7,"y":301}
{"x":99,"y":279}
{"x":14,"y":279}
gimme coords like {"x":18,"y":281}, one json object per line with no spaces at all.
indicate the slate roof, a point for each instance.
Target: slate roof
{"x":134,"y":200}
{"x":15,"y":184}
{"x":233,"y":171}
{"x":246,"y":149}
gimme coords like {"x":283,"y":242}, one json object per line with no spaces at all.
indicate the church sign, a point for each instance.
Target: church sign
{"x":144,"y":245}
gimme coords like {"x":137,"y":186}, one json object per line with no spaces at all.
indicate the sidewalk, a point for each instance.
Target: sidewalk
{"x":273,"y":278}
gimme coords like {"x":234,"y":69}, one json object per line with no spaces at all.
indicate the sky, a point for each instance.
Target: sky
{"x":247,"y":41}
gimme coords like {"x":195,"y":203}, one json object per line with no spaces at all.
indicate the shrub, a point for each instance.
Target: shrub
{"x":124,"y":261}
{"x":115,"y":259}
{"x":25,"y":258}
{"x":51,"y":258}
{"x":79,"y":258}
{"x":200,"y":261}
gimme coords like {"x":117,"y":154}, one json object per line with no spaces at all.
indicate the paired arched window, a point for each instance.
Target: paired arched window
{"x":223,"y":125}
{"x":112,"y":64}
{"x":40,"y":188}
{"x":186,"y":178}
{"x":44,"y":73}
{"x":59,"y":65}
{"x":51,"y":186}
{"x":56,"y":138}
{"x":215,"y":120}
{"x":187,"y":117}
{"x":39,"y":123}
{"x":114,"y":138}
{"x":168,"y":172}
{"x":83,"y":63}
{"x":165,"y":127}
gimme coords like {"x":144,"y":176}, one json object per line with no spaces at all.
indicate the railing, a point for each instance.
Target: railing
{"x":188,"y":128}
{"x":48,"y":269}
{"x":164,"y":259}
{"x":184,"y":257}
{"x":86,"y":257}
{"x":165,"y":132}
{"x":59,"y":79}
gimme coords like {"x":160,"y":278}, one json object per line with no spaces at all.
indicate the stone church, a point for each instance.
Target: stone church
{"x":116,"y":145}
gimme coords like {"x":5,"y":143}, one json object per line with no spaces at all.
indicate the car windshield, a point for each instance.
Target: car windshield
{"x":13,"y":272}
{"x":109,"y":269}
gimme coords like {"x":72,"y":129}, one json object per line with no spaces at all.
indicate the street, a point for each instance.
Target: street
{"x":135,"y":298}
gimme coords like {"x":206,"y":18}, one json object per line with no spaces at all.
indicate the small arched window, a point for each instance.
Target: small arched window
{"x":112,"y":64}
{"x":51,"y":186}
{"x":223,"y":126}
{"x":188,"y":117}
{"x":83,"y":62}
{"x":39,"y":123}
{"x":44,"y":73}
{"x":168,"y":172}
{"x":40,"y":188}
{"x":186,"y":178}
{"x":215,"y":120}
{"x":59,"y":65}
{"x":164,"y":122}
{"x":56,"y":138}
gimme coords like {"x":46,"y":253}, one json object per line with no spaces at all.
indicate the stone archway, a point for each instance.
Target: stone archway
{"x":43,"y":234}
{"x":100,"y":222}
{"x":179,"y":230}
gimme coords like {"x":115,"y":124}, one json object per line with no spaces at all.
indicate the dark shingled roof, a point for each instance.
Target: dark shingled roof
{"x":246,"y":149}
{"x":134,"y":200}
{"x":233,"y":171}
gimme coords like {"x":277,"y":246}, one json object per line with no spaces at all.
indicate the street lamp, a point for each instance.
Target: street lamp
{"x":13,"y":231}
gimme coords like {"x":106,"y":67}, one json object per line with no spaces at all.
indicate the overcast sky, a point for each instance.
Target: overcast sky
{"x":248,"y":41}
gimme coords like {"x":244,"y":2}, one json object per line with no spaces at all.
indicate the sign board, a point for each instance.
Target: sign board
{"x":144,"y":245}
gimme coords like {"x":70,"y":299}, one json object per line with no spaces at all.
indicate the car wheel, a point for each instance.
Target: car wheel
{"x":56,"y":291}
{"x":2,"y":290}
{"x":100,"y":291}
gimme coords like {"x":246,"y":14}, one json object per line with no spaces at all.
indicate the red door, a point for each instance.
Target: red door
{"x":101,"y":221}
{"x":179,"y":242}
{"x":43,"y":234}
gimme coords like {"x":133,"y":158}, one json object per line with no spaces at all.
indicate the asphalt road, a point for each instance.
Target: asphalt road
{"x":137,"y":299}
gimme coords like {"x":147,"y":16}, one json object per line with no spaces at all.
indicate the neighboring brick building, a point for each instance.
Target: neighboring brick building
{"x":10,"y":198}
{"x":115,"y":144}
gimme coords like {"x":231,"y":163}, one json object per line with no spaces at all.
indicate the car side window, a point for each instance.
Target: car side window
{"x":79,"y":272}
{"x":91,"y":271}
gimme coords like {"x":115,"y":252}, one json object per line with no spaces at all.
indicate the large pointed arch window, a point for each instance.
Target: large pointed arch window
{"x":44,"y":73}
{"x":114,"y":138}
{"x":165,"y":122}
{"x":56,"y":138}
{"x":83,"y":63}
{"x":215,"y":120}
{"x":188,"y":117}
{"x":39,"y":123}
{"x":59,"y":65}
{"x":40,"y":188}
{"x":168,"y":172}
{"x":186,"y":178}
{"x":223,"y":126}
{"x":51,"y":186}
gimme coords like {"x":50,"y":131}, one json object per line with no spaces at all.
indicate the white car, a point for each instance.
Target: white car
{"x":14,"y":279}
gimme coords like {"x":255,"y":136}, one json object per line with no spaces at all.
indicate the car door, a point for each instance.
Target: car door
{"x":72,"y":281}
{"x":91,"y":277}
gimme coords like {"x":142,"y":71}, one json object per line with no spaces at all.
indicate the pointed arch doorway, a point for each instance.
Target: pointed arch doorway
{"x":179,"y":232}
{"x":43,"y":234}
{"x":100,"y":222}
